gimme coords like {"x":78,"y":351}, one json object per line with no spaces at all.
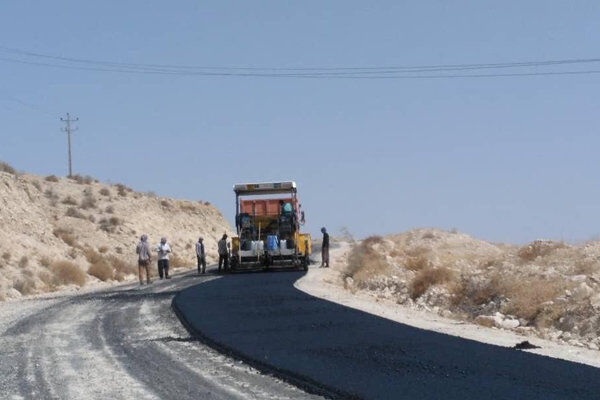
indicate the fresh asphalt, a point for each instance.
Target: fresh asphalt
{"x":340,"y":352}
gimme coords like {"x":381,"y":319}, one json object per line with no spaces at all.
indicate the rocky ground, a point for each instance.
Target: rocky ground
{"x":67,"y":233}
{"x":545,"y":289}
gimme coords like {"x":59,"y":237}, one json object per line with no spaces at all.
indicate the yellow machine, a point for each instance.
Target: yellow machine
{"x":268,"y":227}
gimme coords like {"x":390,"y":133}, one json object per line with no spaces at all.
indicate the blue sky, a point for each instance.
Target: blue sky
{"x":505,"y":159}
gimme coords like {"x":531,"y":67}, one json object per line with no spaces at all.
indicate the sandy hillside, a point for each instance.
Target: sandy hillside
{"x":544,"y":289}
{"x":60,"y":232}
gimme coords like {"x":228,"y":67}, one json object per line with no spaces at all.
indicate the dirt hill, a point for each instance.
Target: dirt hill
{"x":74,"y":232}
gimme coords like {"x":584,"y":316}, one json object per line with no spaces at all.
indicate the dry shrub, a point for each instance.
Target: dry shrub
{"x":103,"y":249}
{"x":178,"y":262}
{"x":109,"y":224}
{"x":428,"y":235}
{"x":538,"y":248}
{"x":6,"y":256}
{"x":188,"y":207}
{"x":120,"y":266}
{"x":66,"y":235}
{"x":69,"y":201}
{"x":92,"y":256}
{"x":75,"y":213}
{"x":5,"y":167}
{"x":45,"y":261}
{"x":207,"y":203}
{"x":165,"y":204}
{"x":24,"y":262}
{"x":101,"y":270}
{"x":37,"y":185}
{"x":110,"y":209}
{"x":91,"y":218}
{"x":527,"y":294}
{"x":46,"y":277}
{"x":122,"y":189}
{"x":418,"y":251}
{"x":428,"y":277}
{"x":105,"y":192}
{"x":468,"y":292}
{"x":87,"y":180}
{"x":66,"y":272}
{"x":364,"y":261}
{"x":119,"y":250}
{"x":49,"y":193}
{"x":25,"y":285}
{"x":416,"y":263}
{"x":51,"y":178}
{"x":88,"y":201}
{"x":586,"y":266}
{"x":188,"y":246}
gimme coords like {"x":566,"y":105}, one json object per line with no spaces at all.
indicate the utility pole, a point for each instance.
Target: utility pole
{"x":68,"y":129}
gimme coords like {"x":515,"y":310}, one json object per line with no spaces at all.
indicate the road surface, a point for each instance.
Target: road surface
{"x":342,"y":352}
{"x":122,"y":343}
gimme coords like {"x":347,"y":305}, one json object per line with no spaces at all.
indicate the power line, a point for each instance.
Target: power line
{"x":68,"y":129}
{"x":394,"y":72}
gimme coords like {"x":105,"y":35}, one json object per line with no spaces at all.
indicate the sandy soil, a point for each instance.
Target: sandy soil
{"x":328,"y":284}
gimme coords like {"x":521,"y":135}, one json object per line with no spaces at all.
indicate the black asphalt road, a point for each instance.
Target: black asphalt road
{"x":120,"y":343}
{"x":345,"y":353}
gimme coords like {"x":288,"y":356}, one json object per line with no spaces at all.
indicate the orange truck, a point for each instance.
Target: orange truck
{"x":268,"y":218}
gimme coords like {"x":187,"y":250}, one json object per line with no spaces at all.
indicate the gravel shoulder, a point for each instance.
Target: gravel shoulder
{"x":124,"y":342}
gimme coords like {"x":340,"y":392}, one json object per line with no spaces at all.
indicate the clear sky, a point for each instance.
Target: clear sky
{"x":504,"y":158}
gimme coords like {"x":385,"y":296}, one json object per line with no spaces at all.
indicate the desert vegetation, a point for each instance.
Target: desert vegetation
{"x":547,"y":288}
{"x":5,"y":167}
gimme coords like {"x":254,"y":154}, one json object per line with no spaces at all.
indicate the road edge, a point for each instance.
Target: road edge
{"x":298,"y":380}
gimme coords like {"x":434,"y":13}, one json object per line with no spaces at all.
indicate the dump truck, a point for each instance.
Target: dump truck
{"x":268,"y":217}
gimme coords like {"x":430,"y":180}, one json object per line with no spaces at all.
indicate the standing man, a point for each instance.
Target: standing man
{"x":163,"y":250}
{"x":200,"y":255}
{"x":144,"y":258}
{"x":325,"y":249}
{"x":223,"y":253}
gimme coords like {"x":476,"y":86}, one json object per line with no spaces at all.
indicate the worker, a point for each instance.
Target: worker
{"x":223,"y":253}
{"x":163,"y":250}
{"x":201,"y":256}
{"x":144,"y":257}
{"x":325,"y":249}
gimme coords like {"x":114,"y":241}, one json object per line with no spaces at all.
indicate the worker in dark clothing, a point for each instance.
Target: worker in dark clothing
{"x":201,"y":256}
{"x":223,"y":253}
{"x":325,"y":249}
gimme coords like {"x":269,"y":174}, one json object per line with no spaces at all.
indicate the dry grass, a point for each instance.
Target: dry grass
{"x":51,"y":178}
{"x":37,"y":185}
{"x":69,"y":201}
{"x":45,"y":261}
{"x":92,"y":256}
{"x":122,"y":189}
{"x":5,"y":167}
{"x":364,"y":261}
{"x":88,"y":201}
{"x":110,"y":210}
{"x":103,"y":249}
{"x":82,"y":180}
{"x":66,"y":273}
{"x":538,"y":248}
{"x":6,"y":256}
{"x":66,"y":235}
{"x":429,"y":277}
{"x":105,"y":192}
{"x":417,"y":263}
{"x":526,"y":296}
{"x":188,"y":207}
{"x":121,"y":266}
{"x":166,"y":204}
{"x":101,"y":270}
{"x":75,"y":213}
{"x":25,"y":285}
{"x":177,"y":262}
{"x":109,"y":224}
{"x":23,"y":262}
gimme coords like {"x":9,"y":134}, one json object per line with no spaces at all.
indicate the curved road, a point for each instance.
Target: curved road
{"x":120,"y":343}
{"x":346,"y":353}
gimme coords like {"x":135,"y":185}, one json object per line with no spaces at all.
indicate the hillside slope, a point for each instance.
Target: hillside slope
{"x":72,"y":232}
